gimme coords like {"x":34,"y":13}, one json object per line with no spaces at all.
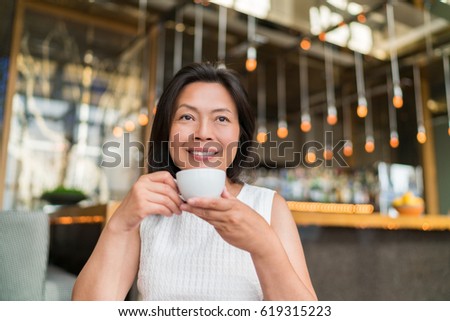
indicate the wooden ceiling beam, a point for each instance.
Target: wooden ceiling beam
{"x":88,"y":19}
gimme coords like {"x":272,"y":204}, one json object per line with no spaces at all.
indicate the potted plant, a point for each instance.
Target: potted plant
{"x":63,"y":196}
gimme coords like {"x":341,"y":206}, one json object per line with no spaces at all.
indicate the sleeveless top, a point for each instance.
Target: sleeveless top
{"x":184,"y":258}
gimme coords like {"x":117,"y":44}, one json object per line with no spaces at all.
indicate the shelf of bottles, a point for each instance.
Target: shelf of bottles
{"x":322,"y":184}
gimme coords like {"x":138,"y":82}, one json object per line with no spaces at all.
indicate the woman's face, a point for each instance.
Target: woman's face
{"x":205,"y":128}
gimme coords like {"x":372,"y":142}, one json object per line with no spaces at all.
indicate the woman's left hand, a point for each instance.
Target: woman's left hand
{"x":237,"y":223}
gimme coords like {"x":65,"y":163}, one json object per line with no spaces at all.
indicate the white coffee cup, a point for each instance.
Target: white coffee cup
{"x":201,"y":182}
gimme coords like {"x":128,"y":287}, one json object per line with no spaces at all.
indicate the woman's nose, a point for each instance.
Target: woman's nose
{"x":203,"y":131}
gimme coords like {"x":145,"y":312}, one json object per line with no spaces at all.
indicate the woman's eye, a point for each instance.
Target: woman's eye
{"x":186,"y":117}
{"x":222,"y":119}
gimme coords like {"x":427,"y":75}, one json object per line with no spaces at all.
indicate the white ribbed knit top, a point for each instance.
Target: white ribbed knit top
{"x":184,"y":258}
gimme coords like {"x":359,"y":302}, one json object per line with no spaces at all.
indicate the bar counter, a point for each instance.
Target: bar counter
{"x":101,"y":213}
{"x":373,"y":221}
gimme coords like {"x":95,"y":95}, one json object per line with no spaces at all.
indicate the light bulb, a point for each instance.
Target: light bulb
{"x":310,"y":157}
{"x":361,"y":18}
{"x":180,"y":27}
{"x":251,"y":63}
{"x":348,"y":149}
{"x":282,"y":132}
{"x":421,"y":134}
{"x":397,"y":100}
{"x":361,"y":111}
{"x":305,"y":126}
{"x":143,"y":119}
{"x":322,"y":36}
{"x":328,"y":154}
{"x":117,"y":131}
{"x":332,"y":119}
{"x":261,"y":137}
{"x":332,"y":115}
{"x":88,"y":57}
{"x":305,"y":44}
{"x":421,"y":137}
{"x":369,"y":146}
{"x":129,"y":126}
{"x":394,"y":142}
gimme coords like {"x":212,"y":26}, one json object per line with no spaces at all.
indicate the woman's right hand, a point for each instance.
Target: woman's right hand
{"x":155,"y":193}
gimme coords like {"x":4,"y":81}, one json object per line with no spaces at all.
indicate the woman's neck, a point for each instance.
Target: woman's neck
{"x":233,"y":188}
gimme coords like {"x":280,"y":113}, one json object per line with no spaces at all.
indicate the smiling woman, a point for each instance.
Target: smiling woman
{"x":202,"y":136}
{"x":243,"y":245}
{"x":198,"y":91}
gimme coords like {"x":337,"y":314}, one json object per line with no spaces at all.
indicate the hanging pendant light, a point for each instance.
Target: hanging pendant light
{"x":397,"y":100}
{"x":447,"y":85}
{"x":282,"y":131}
{"x":421,"y":132}
{"x":370,"y":144}
{"x":329,"y":77}
{"x":393,"y":137}
{"x":305,"y":43}
{"x":118,"y":131}
{"x":222,"y":41}
{"x":328,"y":149}
{"x":251,"y":62}
{"x":310,"y":156}
{"x":361,"y":110}
{"x":370,"y":140}
{"x":305,"y":124}
{"x":198,"y":37}
{"x":129,"y":126}
{"x":142,"y":119}
{"x":361,"y":18}
{"x":261,"y":137}
{"x":178,"y":44}
{"x":347,"y":127}
{"x":160,"y":68}
{"x":328,"y":153}
{"x":348,"y":148}
{"x":145,"y":107}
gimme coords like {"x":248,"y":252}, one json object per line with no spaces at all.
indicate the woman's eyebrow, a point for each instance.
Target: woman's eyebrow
{"x":188,"y":106}
{"x":221,"y":110}
{"x":213,"y":111}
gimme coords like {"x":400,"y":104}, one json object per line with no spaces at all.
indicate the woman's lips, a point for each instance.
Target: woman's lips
{"x":201,"y":155}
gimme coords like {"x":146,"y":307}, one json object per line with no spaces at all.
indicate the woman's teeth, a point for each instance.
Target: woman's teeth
{"x":197,"y":153}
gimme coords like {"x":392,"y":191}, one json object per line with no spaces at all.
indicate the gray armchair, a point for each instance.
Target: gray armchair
{"x":24,"y":270}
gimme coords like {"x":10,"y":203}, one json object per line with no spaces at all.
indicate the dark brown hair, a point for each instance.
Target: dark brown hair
{"x":159,"y":157}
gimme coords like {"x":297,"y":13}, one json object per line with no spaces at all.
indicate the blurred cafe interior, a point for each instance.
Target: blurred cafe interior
{"x":367,"y":81}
